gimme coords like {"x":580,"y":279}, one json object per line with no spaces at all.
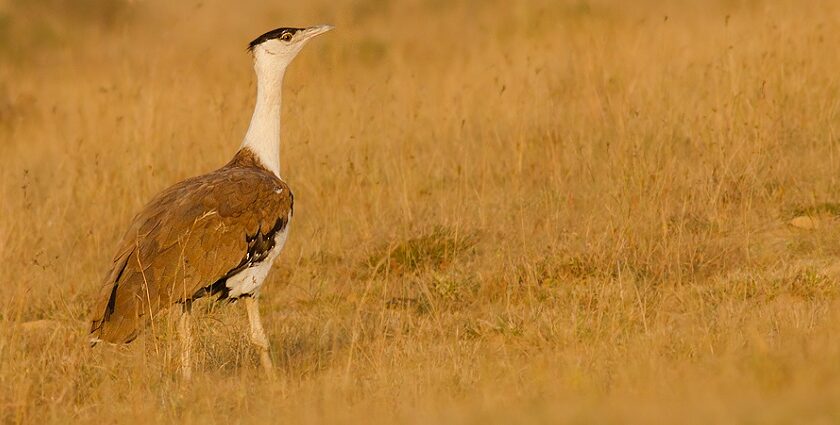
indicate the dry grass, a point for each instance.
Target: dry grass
{"x":508,"y":212}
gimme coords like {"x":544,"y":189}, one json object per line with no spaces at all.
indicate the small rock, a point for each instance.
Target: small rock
{"x":805,"y":222}
{"x":36,"y":325}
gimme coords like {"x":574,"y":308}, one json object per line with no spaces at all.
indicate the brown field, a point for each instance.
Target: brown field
{"x":548,"y":211}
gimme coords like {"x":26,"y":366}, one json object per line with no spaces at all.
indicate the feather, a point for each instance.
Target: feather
{"x":188,"y":241}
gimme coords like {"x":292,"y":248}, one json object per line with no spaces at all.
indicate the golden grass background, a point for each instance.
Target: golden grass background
{"x":507,"y":212}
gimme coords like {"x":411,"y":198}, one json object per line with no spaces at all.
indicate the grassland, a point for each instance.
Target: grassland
{"x":507,"y":212}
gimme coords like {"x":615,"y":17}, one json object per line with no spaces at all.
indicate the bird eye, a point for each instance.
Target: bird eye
{"x":287,"y":36}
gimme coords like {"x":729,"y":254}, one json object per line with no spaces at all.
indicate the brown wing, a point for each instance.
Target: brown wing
{"x":191,"y":236}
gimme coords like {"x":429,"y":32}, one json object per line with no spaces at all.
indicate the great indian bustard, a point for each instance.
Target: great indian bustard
{"x":215,"y":234}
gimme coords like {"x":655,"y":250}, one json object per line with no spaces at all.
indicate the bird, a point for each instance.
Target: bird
{"x":213,"y":235}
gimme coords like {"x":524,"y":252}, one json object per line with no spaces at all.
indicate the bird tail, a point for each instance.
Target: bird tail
{"x":112,"y":324}
{"x":119,"y":314}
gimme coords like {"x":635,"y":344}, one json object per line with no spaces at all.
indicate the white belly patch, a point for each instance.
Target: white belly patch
{"x":249,"y":281}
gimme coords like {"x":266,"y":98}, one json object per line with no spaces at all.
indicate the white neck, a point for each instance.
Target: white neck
{"x":263,"y":136}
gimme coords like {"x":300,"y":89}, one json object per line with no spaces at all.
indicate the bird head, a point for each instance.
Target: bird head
{"x":278,"y":47}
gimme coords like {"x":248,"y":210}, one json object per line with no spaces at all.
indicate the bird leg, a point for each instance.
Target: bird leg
{"x":185,"y":333}
{"x":258,"y":337}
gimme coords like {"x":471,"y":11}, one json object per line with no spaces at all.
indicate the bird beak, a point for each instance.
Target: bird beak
{"x":316,"y":30}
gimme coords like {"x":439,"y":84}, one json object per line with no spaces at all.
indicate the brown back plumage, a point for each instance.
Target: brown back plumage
{"x":191,"y":236}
